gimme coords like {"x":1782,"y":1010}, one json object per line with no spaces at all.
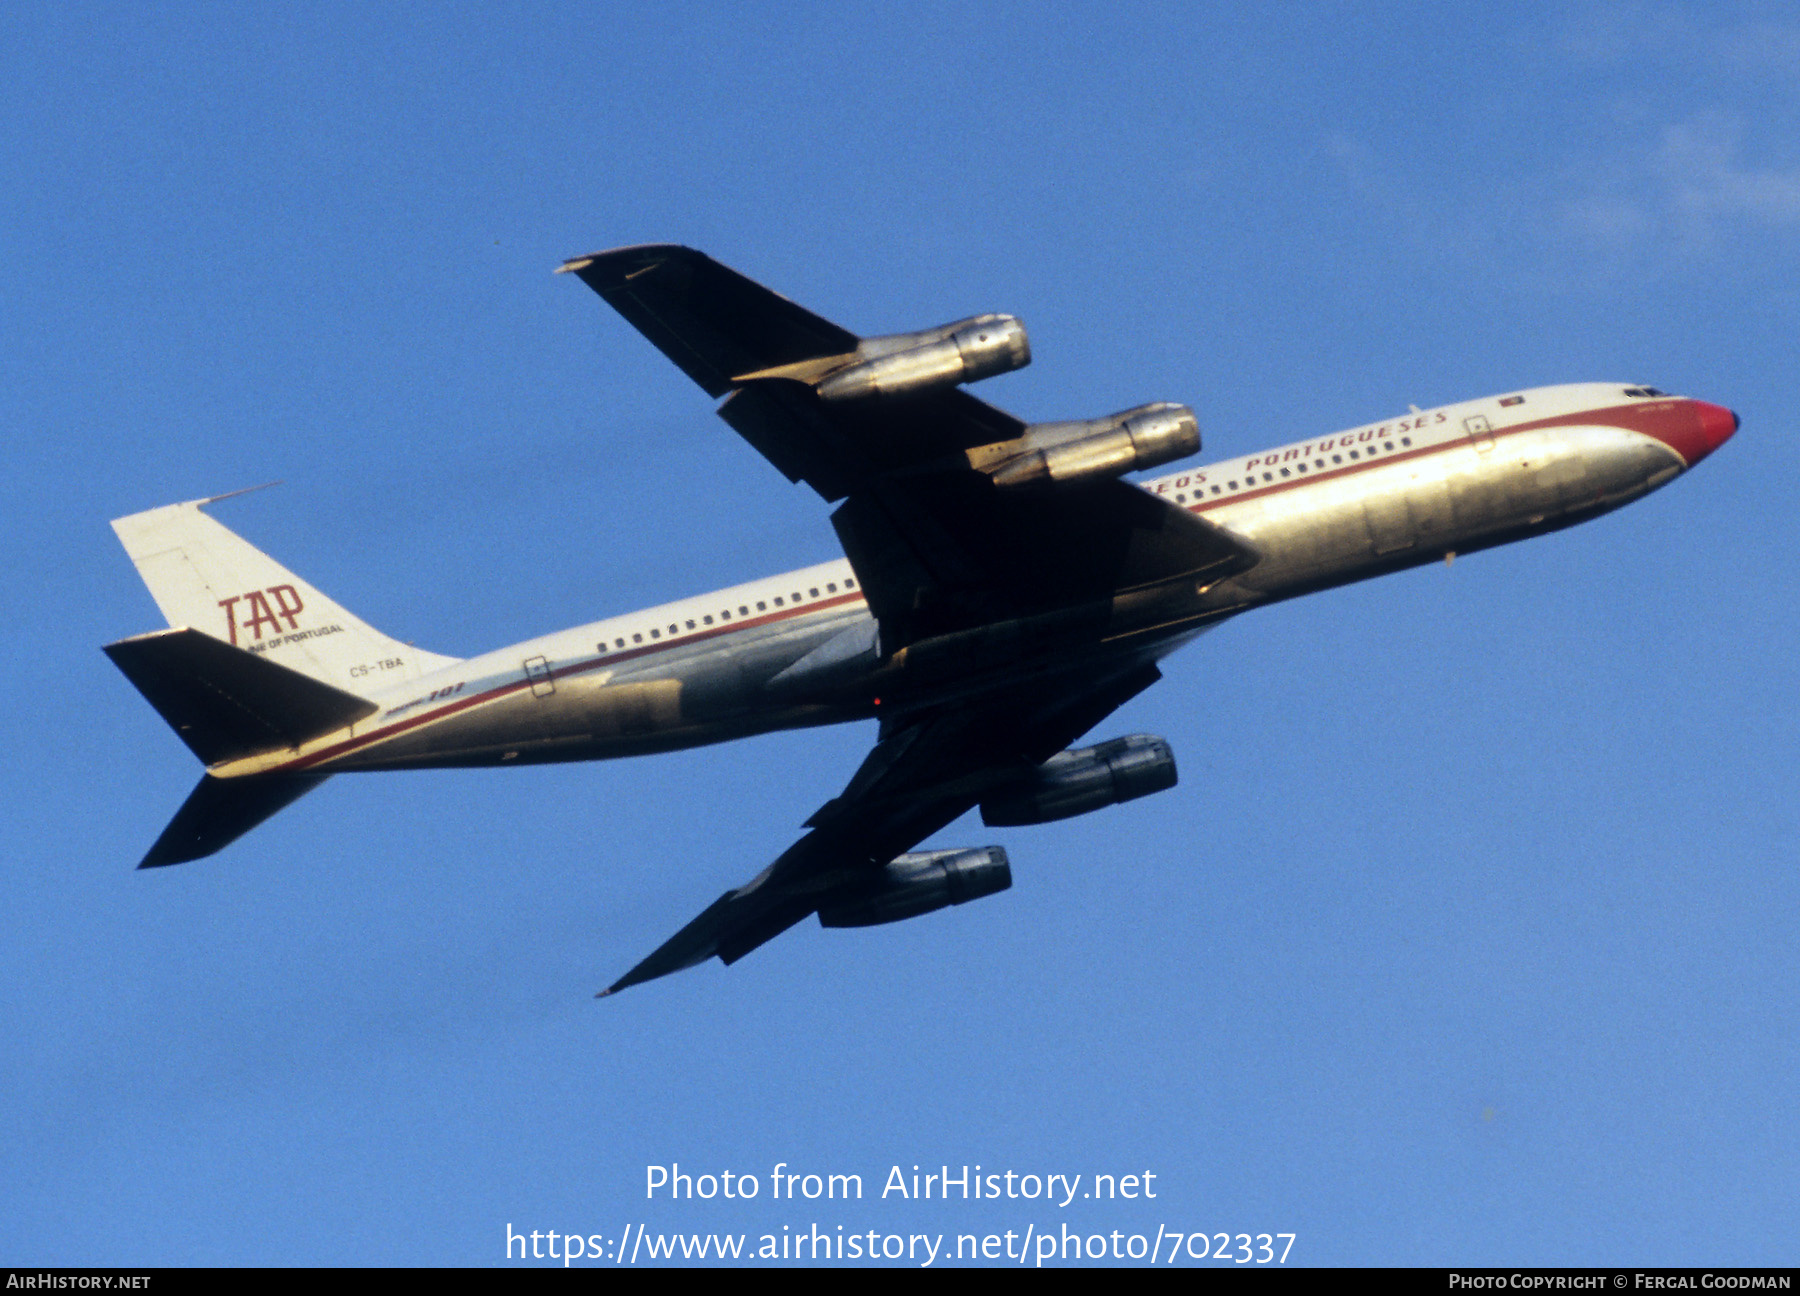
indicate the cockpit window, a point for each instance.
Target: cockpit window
{"x":1644,"y":391}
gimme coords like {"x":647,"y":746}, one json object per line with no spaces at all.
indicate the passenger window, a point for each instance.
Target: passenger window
{"x":849,"y":584}
{"x":637,"y":638}
{"x":831,"y":589}
{"x":812,"y":593}
{"x":1405,"y":440}
{"x":762,"y":607}
{"x":743,"y":611}
{"x":1353,"y":454}
{"x":690,"y":627}
{"x":619,"y":643}
{"x":778,"y":600}
{"x":1286,"y":473}
{"x":656,"y":634}
{"x":1233,"y":485}
{"x":1388,"y":445}
{"x":708,"y":620}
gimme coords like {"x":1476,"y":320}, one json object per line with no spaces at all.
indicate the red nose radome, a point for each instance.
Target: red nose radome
{"x":1695,"y":429}
{"x":1716,"y":426}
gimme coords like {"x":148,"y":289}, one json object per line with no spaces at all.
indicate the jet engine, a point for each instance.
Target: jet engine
{"x":918,"y":883}
{"x":1090,"y":778}
{"x":1055,"y":454}
{"x":905,"y":364}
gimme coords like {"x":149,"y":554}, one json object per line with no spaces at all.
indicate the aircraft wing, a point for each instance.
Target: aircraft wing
{"x":1024,"y":616}
{"x":936,"y":546}
{"x":927,"y":769}
{"x":728,"y":333}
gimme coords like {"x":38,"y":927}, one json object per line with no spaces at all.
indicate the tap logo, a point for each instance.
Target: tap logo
{"x":268,"y":607}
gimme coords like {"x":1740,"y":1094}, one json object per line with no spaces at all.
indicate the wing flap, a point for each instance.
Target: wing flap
{"x":782,"y":423}
{"x":945,"y":552}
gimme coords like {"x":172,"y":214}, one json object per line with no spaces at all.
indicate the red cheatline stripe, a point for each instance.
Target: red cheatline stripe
{"x":578,"y":668}
{"x":711,"y":632}
{"x":1325,"y":474}
{"x":1632,"y":418}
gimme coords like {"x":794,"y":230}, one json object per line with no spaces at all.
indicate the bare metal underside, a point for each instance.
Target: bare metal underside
{"x":1003,"y":591}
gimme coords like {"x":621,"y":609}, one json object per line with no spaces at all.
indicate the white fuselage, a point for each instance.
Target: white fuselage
{"x":1322,"y":512}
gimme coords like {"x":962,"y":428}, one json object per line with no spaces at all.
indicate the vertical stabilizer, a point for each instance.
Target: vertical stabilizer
{"x":202,"y":575}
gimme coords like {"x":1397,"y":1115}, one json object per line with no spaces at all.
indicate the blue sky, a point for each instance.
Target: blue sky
{"x":1468,"y":936}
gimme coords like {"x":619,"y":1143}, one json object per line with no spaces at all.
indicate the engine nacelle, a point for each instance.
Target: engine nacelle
{"x":906,"y":364}
{"x":918,"y":883}
{"x":1090,"y":778}
{"x":1055,"y":454}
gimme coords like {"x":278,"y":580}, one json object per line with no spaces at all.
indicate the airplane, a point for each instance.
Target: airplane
{"x":1003,"y":590}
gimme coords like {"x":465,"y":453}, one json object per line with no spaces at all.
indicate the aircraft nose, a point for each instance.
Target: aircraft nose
{"x":1692,"y":429}
{"x":1716,"y":426}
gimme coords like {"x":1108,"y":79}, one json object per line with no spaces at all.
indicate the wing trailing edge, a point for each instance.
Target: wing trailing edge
{"x":923,"y":773}
{"x":713,"y":322}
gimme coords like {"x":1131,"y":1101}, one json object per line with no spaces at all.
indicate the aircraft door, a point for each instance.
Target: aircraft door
{"x":537,"y":670}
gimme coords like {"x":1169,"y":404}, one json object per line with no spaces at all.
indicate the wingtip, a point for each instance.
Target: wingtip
{"x":633,"y":258}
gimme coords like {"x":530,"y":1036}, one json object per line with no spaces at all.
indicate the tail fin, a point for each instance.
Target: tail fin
{"x":219,"y":811}
{"x":202,"y":575}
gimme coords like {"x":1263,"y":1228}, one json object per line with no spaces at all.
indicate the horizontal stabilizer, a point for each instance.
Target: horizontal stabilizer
{"x":219,"y":811}
{"x":225,"y":702}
